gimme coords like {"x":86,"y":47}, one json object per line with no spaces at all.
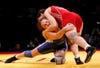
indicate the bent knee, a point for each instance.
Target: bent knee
{"x":60,"y":53}
{"x":70,"y":27}
{"x":72,"y":37}
{"x":60,"y":60}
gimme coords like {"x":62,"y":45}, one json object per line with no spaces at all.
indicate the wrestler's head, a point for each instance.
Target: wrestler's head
{"x":43,"y":23}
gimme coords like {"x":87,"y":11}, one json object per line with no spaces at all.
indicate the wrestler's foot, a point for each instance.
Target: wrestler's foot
{"x":52,"y":60}
{"x":78,"y":61}
{"x":90,"y":51}
{"x":11,"y":59}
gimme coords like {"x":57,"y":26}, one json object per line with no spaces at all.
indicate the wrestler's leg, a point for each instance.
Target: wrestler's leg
{"x":75,"y":39}
{"x":60,"y":57}
{"x":27,"y":53}
{"x":41,"y":49}
{"x":59,"y":53}
{"x":74,"y":49}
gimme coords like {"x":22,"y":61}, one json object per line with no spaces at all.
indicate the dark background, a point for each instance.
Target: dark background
{"x":18,"y":30}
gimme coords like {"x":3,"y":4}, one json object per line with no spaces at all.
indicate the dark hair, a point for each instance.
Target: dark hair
{"x":41,"y":11}
{"x":39,"y":26}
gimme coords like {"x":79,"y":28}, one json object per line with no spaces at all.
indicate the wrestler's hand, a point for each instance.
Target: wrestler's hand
{"x":68,"y":27}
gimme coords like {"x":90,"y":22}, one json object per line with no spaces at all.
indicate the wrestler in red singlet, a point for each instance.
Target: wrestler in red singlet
{"x":65,"y":16}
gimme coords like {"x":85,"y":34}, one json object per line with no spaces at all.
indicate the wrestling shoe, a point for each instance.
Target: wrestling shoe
{"x":11,"y":59}
{"x":52,"y":60}
{"x":78,"y":61}
{"x":90,"y":51}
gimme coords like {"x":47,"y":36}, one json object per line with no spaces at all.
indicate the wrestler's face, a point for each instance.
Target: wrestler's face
{"x":45,"y":23}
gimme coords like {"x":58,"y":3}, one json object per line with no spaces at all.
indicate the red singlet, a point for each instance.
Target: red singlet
{"x":65,"y":16}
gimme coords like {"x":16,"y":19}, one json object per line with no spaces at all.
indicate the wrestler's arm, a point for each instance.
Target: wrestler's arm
{"x":52,"y":35}
{"x":52,"y":20}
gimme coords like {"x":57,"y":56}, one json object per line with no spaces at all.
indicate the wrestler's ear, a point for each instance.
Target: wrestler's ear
{"x":41,"y":13}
